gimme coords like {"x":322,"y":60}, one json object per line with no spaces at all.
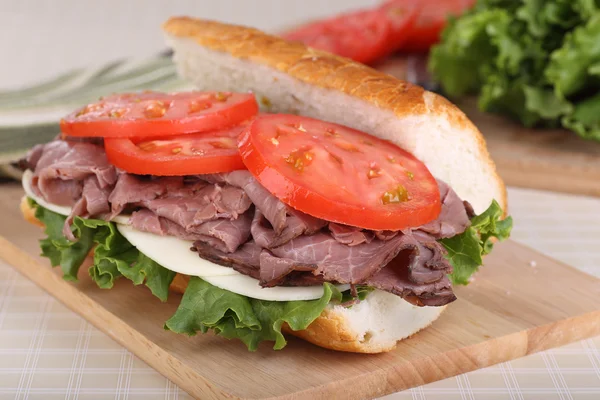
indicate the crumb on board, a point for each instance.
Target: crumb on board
{"x":532,"y":264}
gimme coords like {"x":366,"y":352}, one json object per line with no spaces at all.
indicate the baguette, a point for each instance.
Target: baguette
{"x":292,"y":78}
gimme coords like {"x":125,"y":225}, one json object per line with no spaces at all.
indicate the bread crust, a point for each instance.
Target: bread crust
{"x":29,"y":213}
{"x":328,"y":71}
{"x":330,"y":330}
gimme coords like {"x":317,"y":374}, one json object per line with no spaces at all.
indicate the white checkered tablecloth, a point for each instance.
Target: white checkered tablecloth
{"x":47,"y":352}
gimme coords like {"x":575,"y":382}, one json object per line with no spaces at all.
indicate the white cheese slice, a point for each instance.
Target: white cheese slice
{"x":248,"y":286}
{"x":173,"y":253}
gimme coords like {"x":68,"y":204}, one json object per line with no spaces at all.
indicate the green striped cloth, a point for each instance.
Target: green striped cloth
{"x":29,"y":116}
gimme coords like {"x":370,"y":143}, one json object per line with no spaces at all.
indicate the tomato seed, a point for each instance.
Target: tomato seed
{"x":299,"y":159}
{"x":196,"y":106}
{"x":117,"y":113}
{"x":265,"y":102}
{"x":147,"y":146}
{"x":396,"y":195}
{"x":374,"y":171}
{"x":156,"y":109}
{"x":330,"y":132}
{"x":224,"y":143}
{"x":220,"y":96}
{"x":342,"y":144}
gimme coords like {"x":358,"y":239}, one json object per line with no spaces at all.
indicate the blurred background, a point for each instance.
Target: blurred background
{"x":59,"y":54}
{"x":43,"y":38}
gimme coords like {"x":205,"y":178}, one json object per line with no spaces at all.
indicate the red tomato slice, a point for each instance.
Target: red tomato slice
{"x":430,"y":21}
{"x":151,"y":114}
{"x":339,"y":174}
{"x":198,"y":153}
{"x":363,"y":36}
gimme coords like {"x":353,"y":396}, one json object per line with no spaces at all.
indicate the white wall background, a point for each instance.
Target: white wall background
{"x":39,"y":39}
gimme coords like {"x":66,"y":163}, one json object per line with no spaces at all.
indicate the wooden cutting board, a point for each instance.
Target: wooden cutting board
{"x":548,"y":159}
{"x":509,"y":311}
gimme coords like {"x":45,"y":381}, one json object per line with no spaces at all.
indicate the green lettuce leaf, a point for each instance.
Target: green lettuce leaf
{"x":466,"y":55}
{"x":234,"y":316}
{"x":361,"y":294}
{"x":466,"y":251}
{"x":585,"y":119}
{"x":114,"y":256}
{"x":144,"y":270}
{"x":536,"y":61}
{"x":546,"y":103}
{"x":569,"y":66}
{"x":62,"y":252}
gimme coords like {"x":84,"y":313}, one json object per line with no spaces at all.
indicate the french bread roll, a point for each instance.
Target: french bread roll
{"x":292,"y":78}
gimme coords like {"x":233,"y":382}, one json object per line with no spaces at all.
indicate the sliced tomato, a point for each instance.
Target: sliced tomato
{"x":431,"y":20}
{"x":197,"y":153}
{"x":339,"y":174}
{"x":151,"y":114}
{"x":364,"y":36}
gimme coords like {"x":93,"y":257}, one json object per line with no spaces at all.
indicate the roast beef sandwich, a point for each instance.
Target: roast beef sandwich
{"x":296,"y":192}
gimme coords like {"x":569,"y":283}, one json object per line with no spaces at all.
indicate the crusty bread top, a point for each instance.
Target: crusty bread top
{"x":306,"y":65}
{"x":315,"y":67}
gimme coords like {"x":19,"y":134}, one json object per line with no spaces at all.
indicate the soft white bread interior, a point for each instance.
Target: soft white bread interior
{"x":292,"y":78}
{"x":374,"y":325}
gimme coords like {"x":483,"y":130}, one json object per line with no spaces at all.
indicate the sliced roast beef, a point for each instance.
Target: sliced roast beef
{"x":274,"y":270}
{"x":223,"y":234}
{"x":350,"y":235}
{"x":394,"y":279}
{"x":453,"y":219}
{"x":203,"y":203}
{"x":93,"y":202}
{"x":295,"y":224}
{"x":270,"y":206}
{"x":235,"y":221}
{"x":132,"y":189}
{"x":247,"y":260}
{"x":61,"y":167}
{"x":73,"y":161}
{"x":73,"y":174}
{"x":338,"y":262}
{"x":147,"y":221}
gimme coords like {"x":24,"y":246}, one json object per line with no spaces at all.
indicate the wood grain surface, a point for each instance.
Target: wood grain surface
{"x":547,"y":159}
{"x":509,"y":311}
